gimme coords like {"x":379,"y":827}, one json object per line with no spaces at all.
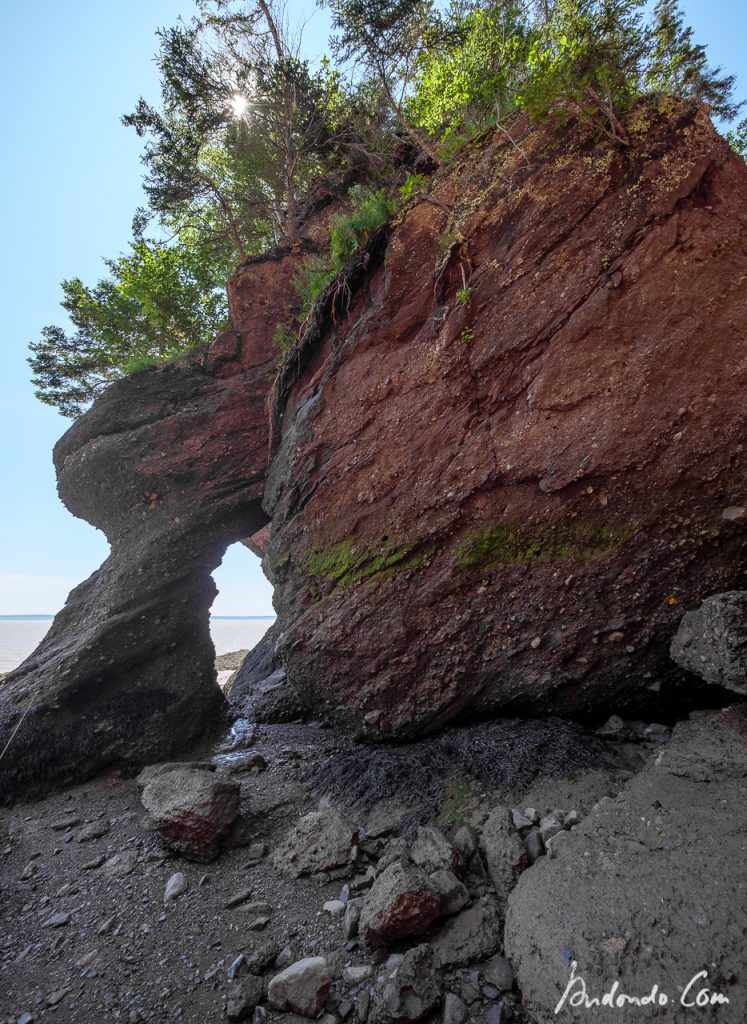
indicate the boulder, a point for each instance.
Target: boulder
{"x":504,"y":851}
{"x":193,"y":810}
{"x":712,"y":641}
{"x":432,"y":851}
{"x":644,"y":891}
{"x":409,"y":990}
{"x":474,"y":934}
{"x":473,"y":869}
{"x":454,"y":894}
{"x":320,"y":841}
{"x":403,"y":901}
{"x":301,"y":988}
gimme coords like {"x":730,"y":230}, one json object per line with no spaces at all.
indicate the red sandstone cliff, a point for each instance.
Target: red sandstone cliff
{"x":499,"y":499}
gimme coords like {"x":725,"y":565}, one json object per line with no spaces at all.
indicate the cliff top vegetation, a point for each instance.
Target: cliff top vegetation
{"x":247,"y":126}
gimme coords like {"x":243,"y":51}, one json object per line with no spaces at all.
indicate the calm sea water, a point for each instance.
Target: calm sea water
{"x":19,"y":636}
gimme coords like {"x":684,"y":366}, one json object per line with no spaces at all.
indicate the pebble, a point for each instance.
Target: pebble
{"x":175,"y":887}
{"x":236,"y":966}
{"x":58,"y":920}
{"x":240,"y":897}
{"x":25,"y":1018}
{"x":499,"y":973}
{"x":535,"y":845}
{"x":57,"y":996}
{"x":95,"y":830}
{"x":63,"y":824}
{"x":68,"y":889}
{"x":356,"y":974}
{"x":455,"y":1011}
{"x":520,"y":819}
{"x":571,"y":819}
{"x":549,"y":827}
{"x":533,"y":814}
{"x":336,"y":908}
{"x":257,"y":924}
{"x":91,"y":865}
{"x":108,"y":925}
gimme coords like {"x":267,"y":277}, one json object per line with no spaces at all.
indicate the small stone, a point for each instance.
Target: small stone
{"x":56,"y":997}
{"x":175,"y":887}
{"x":335,"y":908}
{"x":58,"y":920}
{"x":108,"y":925}
{"x":356,"y":974}
{"x":237,"y":899}
{"x":236,"y":966}
{"x":535,"y":845}
{"x":549,"y":827}
{"x":498,"y":972}
{"x":352,"y":918}
{"x":29,"y":871}
{"x":536,"y":642}
{"x":455,"y":1011}
{"x":91,"y":865}
{"x":533,"y":814}
{"x":257,"y":924}
{"x":262,"y":956}
{"x":243,"y":998}
{"x":490,"y":991}
{"x":95,"y":830}
{"x":26,"y":1018}
{"x":454,"y":894}
{"x":284,"y":957}
{"x":657,"y":733}
{"x":256,"y":852}
{"x":571,"y":819}
{"x":520,"y":819}
{"x":63,"y":824}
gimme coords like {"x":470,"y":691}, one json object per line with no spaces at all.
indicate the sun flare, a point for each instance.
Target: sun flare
{"x":239,"y":104}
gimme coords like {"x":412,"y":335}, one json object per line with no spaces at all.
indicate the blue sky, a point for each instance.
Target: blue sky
{"x":69,"y":184}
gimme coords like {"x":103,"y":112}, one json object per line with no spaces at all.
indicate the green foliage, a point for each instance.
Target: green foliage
{"x":737,"y":138}
{"x":464,"y":296}
{"x":348,"y":232}
{"x":677,"y":66}
{"x":157,"y":302}
{"x":470,"y":79}
{"x":594,"y":59}
{"x":283,"y":339}
{"x":414,"y":185}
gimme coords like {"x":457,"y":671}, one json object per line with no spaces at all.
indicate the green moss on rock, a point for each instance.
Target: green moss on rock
{"x":347,"y":562}
{"x":514,"y":544}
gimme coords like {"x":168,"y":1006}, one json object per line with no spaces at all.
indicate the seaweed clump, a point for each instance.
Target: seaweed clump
{"x":506,"y":755}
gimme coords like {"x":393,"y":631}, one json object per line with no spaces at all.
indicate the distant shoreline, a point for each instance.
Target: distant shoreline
{"x":222,"y":618}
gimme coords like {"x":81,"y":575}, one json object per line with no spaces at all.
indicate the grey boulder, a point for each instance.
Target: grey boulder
{"x":712,"y":641}
{"x":192,"y":809}
{"x":403,"y":901}
{"x":409,"y":990}
{"x":320,"y":841}
{"x":301,"y":988}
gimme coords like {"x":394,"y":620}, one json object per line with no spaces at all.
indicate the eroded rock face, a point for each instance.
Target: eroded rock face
{"x":506,"y":503}
{"x":170,"y":464}
{"x":649,"y":889}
